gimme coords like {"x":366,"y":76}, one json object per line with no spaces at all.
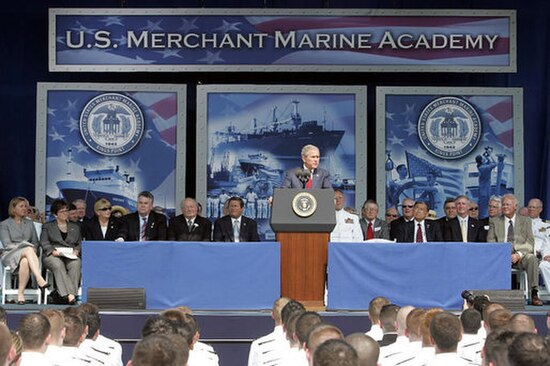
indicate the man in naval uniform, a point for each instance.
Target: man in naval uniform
{"x":347,"y":227}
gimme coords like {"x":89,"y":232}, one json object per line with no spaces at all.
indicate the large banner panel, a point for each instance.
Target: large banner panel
{"x":110,"y":141}
{"x":325,"y":40}
{"x":437,"y":143}
{"x":249,"y":135}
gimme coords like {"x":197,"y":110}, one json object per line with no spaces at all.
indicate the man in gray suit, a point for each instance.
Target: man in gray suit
{"x":371,"y":225}
{"x":318,"y":177}
{"x":517,"y":230}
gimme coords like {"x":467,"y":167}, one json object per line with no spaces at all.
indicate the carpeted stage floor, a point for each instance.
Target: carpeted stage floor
{"x":230,"y":332}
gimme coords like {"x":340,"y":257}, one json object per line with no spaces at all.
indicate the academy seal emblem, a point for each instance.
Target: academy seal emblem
{"x":111,"y":124}
{"x":304,"y":204}
{"x":449,"y":128}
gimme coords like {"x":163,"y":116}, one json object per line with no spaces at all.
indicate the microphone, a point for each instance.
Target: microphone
{"x":303,"y":176}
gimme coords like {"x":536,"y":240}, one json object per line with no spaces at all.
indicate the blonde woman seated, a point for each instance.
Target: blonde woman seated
{"x":60,"y":241}
{"x":20,"y":242}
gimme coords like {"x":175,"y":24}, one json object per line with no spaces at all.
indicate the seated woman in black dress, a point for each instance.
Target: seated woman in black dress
{"x":60,"y":241}
{"x":103,"y":226}
{"x":20,"y":241}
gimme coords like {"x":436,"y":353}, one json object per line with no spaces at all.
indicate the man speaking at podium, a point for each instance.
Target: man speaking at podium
{"x":310,"y":176}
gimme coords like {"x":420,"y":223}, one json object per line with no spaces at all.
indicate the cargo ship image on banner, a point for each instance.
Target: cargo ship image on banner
{"x":277,"y":135}
{"x":109,"y":183}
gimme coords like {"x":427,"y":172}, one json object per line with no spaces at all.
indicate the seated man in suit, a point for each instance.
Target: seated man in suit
{"x":419,"y":230}
{"x":189,"y":226}
{"x":235,"y":227}
{"x":450,"y":213}
{"x":408,"y":213}
{"x":494,"y":210}
{"x":462,"y":227}
{"x":319,"y":178}
{"x":516,"y":229}
{"x":143,"y":225}
{"x":371,"y":225}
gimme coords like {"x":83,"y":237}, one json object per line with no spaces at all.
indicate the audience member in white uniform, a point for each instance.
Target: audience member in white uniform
{"x":541,"y":229}
{"x":375,"y":305}
{"x":269,"y":349}
{"x":75,"y":333}
{"x":388,"y":322}
{"x":402,"y":341}
{"x":34,"y":330}
{"x":522,"y":323}
{"x":495,"y":348}
{"x":446,"y":332}
{"x":407,"y":354}
{"x":335,"y":352}
{"x":367,"y":348}
{"x":54,"y":352}
{"x":528,"y":349}
{"x":347,"y":227}
{"x":7,"y":350}
{"x":471,"y":343}
{"x":319,"y":334}
{"x":295,"y":356}
{"x":160,"y":350}
{"x":107,"y":353}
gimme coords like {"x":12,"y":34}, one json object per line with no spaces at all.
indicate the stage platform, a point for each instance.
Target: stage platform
{"x":229,"y":332}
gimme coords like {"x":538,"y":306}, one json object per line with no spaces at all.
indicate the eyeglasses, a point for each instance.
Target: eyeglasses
{"x":390,"y":215}
{"x":105,"y":209}
{"x":64,"y":210}
{"x":407,"y":206}
{"x":473,"y":209}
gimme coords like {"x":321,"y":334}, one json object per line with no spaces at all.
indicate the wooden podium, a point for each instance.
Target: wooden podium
{"x":304,"y":244}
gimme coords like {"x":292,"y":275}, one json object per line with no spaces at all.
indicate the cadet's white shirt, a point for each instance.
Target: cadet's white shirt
{"x":269,"y":349}
{"x":202,"y":354}
{"x":407,"y":356}
{"x":295,"y":357}
{"x":470,"y":347}
{"x":347,"y":228}
{"x":112,"y":345}
{"x":375,"y":332}
{"x":399,"y":346}
{"x":447,"y":359}
{"x":99,"y":351}
{"x":34,"y":359}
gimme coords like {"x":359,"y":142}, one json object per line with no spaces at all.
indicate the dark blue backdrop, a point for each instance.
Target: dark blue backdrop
{"x":24,"y":62}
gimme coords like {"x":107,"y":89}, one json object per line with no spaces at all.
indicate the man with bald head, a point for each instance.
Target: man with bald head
{"x":189,"y":226}
{"x":367,"y":348}
{"x":541,"y":229}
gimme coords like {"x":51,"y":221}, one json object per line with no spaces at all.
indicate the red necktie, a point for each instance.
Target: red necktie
{"x":419,"y":238}
{"x":370,"y":233}
{"x":308,"y":184}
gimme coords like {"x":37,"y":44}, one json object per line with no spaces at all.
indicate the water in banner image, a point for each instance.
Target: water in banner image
{"x":249,"y":155}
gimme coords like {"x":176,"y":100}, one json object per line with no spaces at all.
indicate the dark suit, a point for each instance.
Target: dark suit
{"x":131,"y":224}
{"x":405,"y":232}
{"x":379,"y":227}
{"x":395,"y":227}
{"x":485,"y":226}
{"x":91,"y":229}
{"x":223,"y":229}
{"x":178,"y":230}
{"x":320,"y":179}
{"x":452,"y":231}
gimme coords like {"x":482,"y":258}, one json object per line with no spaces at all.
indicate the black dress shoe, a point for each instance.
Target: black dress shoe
{"x":535,"y":299}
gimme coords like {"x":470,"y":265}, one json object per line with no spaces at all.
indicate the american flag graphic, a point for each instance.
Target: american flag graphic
{"x":492,"y":49}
